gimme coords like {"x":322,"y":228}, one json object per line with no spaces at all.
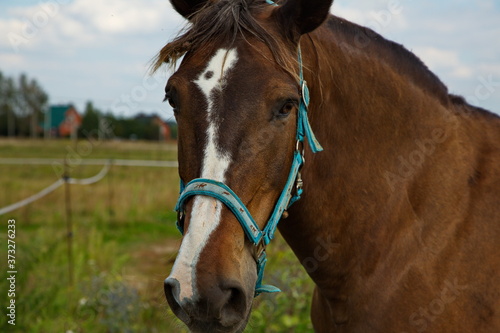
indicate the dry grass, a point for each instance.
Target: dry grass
{"x":124,"y":244}
{"x":113,"y":220}
{"x":88,"y":149}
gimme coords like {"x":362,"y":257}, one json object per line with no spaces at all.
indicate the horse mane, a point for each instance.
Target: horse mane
{"x":394,"y":54}
{"x":223,"y":23}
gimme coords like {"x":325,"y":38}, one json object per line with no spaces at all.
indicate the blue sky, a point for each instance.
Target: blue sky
{"x":100,"y":50}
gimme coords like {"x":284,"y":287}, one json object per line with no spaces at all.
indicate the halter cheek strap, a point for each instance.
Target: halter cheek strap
{"x":303,"y":125}
{"x":290,"y":194}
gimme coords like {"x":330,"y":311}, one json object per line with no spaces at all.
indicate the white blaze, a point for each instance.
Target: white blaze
{"x":205,"y":216}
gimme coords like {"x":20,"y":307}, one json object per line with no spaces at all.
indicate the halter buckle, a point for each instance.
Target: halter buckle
{"x":299,"y":182}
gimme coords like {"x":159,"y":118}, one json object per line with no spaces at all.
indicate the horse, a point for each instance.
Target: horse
{"x":398,"y":222}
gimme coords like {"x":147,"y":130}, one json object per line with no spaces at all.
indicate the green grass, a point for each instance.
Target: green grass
{"x":124,"y":244}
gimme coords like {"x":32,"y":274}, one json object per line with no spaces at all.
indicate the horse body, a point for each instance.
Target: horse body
{"x":399,"y":223}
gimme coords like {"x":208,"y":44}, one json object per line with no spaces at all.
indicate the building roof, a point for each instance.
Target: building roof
{"x":57,"y":114}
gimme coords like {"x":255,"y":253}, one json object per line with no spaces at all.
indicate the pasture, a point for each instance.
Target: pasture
{"x":124,"y":243}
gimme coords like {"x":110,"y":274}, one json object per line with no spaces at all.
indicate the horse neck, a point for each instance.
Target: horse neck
{"x":380,"y":133}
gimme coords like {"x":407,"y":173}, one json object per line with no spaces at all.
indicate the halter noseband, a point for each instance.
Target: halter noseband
{"x":221,"y":192}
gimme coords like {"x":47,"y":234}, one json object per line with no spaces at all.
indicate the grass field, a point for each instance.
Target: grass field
{"x":124,"y":243}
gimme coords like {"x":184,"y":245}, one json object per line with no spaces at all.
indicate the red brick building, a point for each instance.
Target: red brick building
{"x":62,"y":121}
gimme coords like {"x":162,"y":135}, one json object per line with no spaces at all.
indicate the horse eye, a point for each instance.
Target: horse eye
{"x":287,"y":108}
{"x":168,"y":98}
{"x":171,"y":103}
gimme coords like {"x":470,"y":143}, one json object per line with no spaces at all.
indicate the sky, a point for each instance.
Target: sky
{"x":80,"y":50}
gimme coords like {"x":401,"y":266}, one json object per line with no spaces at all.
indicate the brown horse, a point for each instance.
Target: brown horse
{"x":399,"y":222}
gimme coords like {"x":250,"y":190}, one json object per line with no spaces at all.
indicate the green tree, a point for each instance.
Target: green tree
{"x":90,"y":121}
{"x":36,"y":100}
{"x":24,"y":104}
{"x":7,"y":106}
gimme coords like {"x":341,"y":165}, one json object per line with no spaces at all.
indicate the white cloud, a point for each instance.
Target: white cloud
{"x":11,"y":59}
{"x":379,"y":15}
{"x":457,"y":39}
{"x":489,"y":68}
{"x":449,"y":61}
{"x":118,"y":16}
{"x":85,"y":21}
{"x":89,"y":49}
{"x":99,"y":50}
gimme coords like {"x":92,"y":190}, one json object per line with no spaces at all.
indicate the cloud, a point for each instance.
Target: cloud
{"x":14,"y":60}
{"x":83,"y":22}
{"x":119,"y":17}
{"x":444,"y":60}
{"x":89,"y":49}
{"x":379,"y":15}
{"x":99,"y":50}
{"x":457,"y":39}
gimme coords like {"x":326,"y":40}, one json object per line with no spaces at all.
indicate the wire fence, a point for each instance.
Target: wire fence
{"x":65,"y":179}
{"x":52,"y":161}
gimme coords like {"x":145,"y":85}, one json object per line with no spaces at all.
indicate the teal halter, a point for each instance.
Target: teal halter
{"x":221,"y":192}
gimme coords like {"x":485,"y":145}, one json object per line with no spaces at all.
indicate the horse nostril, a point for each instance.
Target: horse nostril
{"x":235,"y":306}
{"x":237,"y":300}
{"x":172,"y":291}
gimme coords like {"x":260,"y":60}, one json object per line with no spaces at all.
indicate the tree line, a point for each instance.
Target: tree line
{"x":140,"y":127}
{"x":23,"y":103}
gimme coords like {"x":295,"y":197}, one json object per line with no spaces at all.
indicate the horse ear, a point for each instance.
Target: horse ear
{"x":303,"y":16}
{"x":187,"y":7}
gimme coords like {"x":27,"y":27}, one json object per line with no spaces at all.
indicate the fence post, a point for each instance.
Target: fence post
{"x":110,"y":191}
{"x":69,"y":222}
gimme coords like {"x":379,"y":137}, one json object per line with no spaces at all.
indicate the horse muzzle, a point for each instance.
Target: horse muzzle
{"x":221,"y":307}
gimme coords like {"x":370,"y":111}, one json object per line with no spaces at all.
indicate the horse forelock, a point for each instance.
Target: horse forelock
{"x":222,"y":24}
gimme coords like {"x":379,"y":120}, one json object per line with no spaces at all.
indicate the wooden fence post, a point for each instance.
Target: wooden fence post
{"x":110,"y":191}
{"x":69,"y":222}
